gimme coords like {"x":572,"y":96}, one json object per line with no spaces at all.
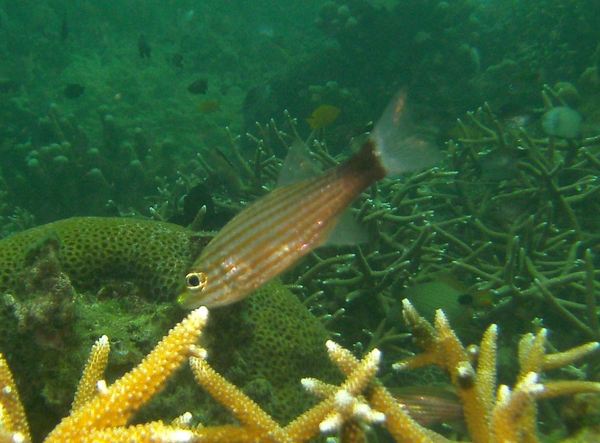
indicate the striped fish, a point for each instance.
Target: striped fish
{"x":278,"y":229}
{"x":430,"y":405}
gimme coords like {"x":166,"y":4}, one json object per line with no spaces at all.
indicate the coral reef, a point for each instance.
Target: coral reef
{"x":494,"y":413}
{"x":59,"y":162}
{"x":508,"y":223}
{"x":96,"y":153}
{"x":511,"y":219}
{"x":276,"y":326}
{"x":93,"y":125}
{"x":59,"y":150}
{"x":91,"y":250}
{"x":63,"y":284}
{"x":103,"y":412}
{"x":529,"y":236}
{"x":70,"y":281}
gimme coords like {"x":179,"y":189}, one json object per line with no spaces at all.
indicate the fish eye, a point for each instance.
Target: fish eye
{"x":196,"y":280}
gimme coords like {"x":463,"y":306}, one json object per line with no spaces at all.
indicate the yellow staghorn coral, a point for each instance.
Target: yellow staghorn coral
{"x":100,"y":413}
{"x":242,"y":407}
{"x":114,"y":406}
{"x":103,"y":413}
{"x":147,"y":433}
{"x":397,"y":420}
{"x":71,"y":281}
{"x":12,"y":415}
{"x":495,"y":414}
{"x":93,"y":373}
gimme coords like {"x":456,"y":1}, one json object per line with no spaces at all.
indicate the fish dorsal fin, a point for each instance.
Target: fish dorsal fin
{"x":298,"y":165}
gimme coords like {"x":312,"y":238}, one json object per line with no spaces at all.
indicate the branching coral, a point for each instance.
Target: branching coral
{"x":494,"y":413}
{"x":450,"y":220}
{"x":393,"y":216}
{"x":103,"y":413}
{"x":530,"y":236}
{"x":510,"y":217}
{"x":99,"y":412}
{"x":83,"y":277}
{"x":57,"y":167}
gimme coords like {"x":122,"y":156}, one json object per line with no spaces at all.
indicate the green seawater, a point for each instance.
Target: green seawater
{"x":184,"y":111}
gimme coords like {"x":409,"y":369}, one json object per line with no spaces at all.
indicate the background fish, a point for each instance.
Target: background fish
{"x":198,"y":87}
{"x":273,"y":233}
{"x":144,"y":48}
{"x":323,"y":116}
{"x":430,"y":405}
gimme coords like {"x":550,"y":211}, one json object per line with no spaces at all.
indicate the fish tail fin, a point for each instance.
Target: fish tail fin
{"x":399,"y":145}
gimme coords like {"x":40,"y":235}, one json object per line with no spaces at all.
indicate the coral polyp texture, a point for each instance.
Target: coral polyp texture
{"x":289,"y":339}
{"x":495,"y":414}
{"x":94,"y":249}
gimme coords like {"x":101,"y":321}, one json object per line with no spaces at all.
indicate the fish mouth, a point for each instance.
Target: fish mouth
{"x":186,"y":301}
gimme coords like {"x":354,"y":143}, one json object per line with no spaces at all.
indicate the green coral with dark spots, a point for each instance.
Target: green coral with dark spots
{"x":94,"y":250}
{"x":275,"y":341}
{"x":66,"y":283}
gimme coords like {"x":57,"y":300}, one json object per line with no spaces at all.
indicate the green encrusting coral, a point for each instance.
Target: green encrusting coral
{"x":92,"y":250}
{"x":64,"y":284}
{"x":276,"y":341}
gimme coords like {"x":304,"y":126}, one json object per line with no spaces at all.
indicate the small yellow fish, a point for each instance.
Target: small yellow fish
{"x":323,"y":116}
{"x":273,"y":233}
